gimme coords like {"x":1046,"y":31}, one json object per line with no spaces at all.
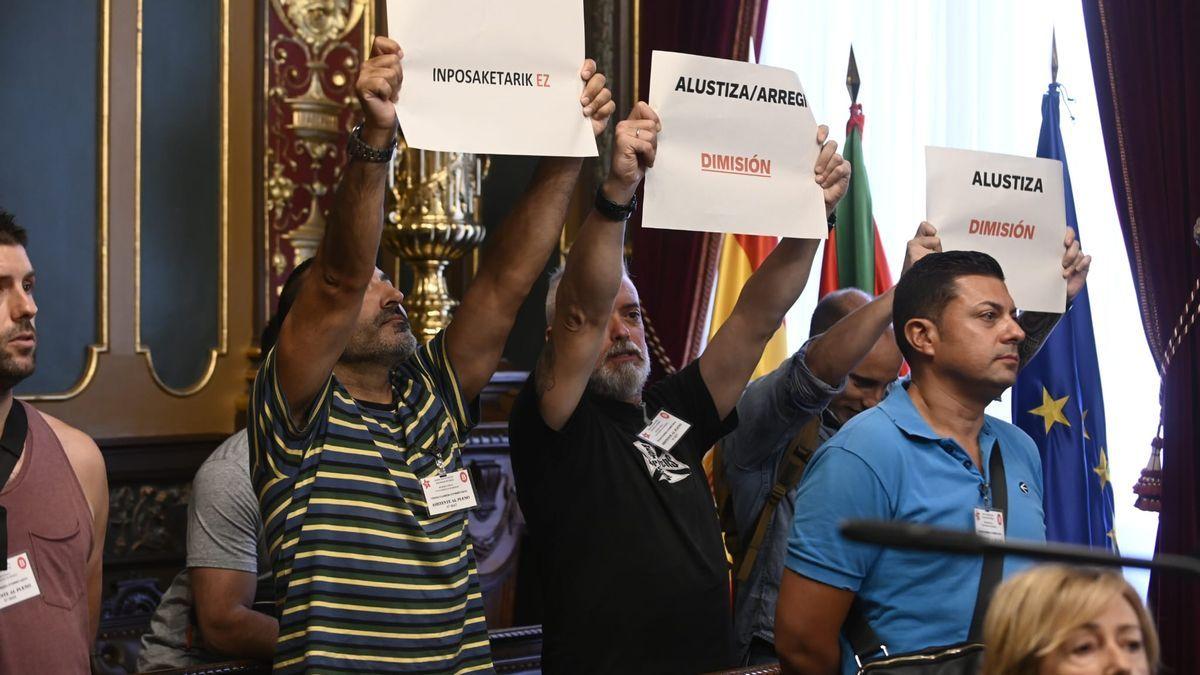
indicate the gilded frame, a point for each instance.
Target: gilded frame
{"x":102,"y":173}
{"x":222,"y":347}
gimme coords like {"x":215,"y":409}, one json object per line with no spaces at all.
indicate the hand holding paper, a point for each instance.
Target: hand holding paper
{"x":924,"y":242}
{"x":596,"y":100}
{"x":832,"y":171}
{"x":1075,"y":265}
{"x":378,"y":89}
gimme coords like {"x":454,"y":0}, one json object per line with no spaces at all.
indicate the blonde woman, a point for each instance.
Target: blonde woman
{"x":1057,"y":620}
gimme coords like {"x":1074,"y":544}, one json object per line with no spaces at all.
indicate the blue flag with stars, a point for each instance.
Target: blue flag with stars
{"x":1058,"y":400}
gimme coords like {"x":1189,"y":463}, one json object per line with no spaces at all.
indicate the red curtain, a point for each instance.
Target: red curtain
{"x":674,"y":271}
{"x":1146,"y":65}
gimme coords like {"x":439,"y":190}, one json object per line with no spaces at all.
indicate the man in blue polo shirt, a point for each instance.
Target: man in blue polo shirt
{"x":846,"y":367}
{"x":922,"y":455}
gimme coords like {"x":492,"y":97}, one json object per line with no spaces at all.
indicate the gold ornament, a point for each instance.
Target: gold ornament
{"x":433,"y":221}
{"x":320,"y":22}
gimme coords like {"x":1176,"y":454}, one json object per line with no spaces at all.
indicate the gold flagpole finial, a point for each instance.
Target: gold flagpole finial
{"x":1053,"y":57}
{"x":852,"y":81}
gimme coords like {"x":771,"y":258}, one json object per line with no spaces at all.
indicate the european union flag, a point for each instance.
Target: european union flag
{"x":1058,"y":400}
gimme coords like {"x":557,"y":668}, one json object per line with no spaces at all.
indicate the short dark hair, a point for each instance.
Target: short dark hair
{"x":287,"y":296}
{"x":11,"y":234}
{"x":929,"y":285}
{"x":834,"y":307}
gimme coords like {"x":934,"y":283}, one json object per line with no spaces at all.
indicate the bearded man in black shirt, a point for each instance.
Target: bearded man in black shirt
{"x":609,"y":475}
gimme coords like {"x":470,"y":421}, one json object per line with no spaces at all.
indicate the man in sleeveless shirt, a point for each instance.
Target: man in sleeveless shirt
{"x":55,"y":501}
{"x":356,"y":461}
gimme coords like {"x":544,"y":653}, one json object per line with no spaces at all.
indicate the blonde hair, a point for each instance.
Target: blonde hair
{"x":1032,"y":614}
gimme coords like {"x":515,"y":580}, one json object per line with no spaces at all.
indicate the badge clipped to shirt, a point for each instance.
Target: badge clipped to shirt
{"x":17,"y":583}
{"x":664,"y":431}
{"x":448,"y":492}
{"x":989,"y":524}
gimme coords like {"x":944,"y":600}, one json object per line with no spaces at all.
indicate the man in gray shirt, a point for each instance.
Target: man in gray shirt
{"x":207,"y":614}
{"x":844,"y":369}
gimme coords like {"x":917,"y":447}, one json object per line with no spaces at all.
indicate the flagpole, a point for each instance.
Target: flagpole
{"x":852,"y":80}
{"x":1053,"y":57}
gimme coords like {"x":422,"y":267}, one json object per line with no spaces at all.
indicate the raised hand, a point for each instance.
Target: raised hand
{"x":832,"y":171}
{"x":1075,"y":265}
{"x":924,"y":242}
{"x":634,"y":148}
{"x":378,"y":88}
{"x":596,"y":99}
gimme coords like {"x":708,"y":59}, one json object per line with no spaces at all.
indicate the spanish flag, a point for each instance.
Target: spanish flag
{"x":741,"y":254}
{"x":854,"y":253}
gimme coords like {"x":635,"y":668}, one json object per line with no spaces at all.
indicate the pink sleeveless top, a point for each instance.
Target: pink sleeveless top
{"x":48,"y":518}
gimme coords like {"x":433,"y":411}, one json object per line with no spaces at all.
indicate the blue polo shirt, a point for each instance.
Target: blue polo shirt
{"x":887,"y":464}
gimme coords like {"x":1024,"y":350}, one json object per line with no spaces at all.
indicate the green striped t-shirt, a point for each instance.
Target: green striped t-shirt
{"x":365,"y":579}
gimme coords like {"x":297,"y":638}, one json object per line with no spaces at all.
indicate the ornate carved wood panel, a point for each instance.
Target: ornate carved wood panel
{"x":311,"y":50}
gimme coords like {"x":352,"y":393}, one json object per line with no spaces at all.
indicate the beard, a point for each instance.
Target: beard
{"x":622,"y":381}
{"x":380,"y":342}
{"x":14,"y":369}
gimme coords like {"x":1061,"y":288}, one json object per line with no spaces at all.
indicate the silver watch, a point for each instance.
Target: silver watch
{"x":358,"y":150}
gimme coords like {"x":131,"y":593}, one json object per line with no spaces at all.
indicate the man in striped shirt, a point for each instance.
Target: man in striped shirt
{"x":355,"y":429}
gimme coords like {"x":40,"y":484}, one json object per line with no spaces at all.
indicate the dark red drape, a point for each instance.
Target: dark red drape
{"x":1146,"y":64}
{"x":674,"y":271}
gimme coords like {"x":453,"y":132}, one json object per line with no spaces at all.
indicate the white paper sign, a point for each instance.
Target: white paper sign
{"x":736,"y":151}
{"x":1011,"y":208}
{"x":492,"y":77}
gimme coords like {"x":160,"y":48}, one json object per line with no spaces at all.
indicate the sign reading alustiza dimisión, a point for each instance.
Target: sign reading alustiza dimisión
{"x":1010,"y":207}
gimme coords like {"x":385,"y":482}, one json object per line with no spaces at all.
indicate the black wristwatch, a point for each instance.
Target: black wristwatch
{"x":612,"y":210}
{"x":831,"y":221}
{"x":357,"y":149}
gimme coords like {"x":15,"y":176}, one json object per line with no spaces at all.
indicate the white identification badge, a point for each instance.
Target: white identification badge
{"x":451,"y":492}
{"x":17,"y":582}
{"x":989,"y":524}
{"x":664,"y":430}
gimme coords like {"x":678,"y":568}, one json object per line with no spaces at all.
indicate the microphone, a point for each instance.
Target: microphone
{"x":900,"y":534}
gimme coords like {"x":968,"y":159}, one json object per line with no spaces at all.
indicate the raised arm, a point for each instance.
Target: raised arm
{"x":838,"y":350}
{"x":517,"y":254}
{"x":592,"y":277}
{"x":316,"y":330}
{"x":731,"y":357}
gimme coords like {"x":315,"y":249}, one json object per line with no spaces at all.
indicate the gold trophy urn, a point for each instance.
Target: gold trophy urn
{"x":433,"y":220}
